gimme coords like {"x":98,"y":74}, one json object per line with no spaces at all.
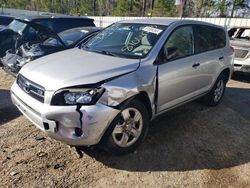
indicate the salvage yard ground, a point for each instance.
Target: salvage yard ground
{"x":192,"y":146}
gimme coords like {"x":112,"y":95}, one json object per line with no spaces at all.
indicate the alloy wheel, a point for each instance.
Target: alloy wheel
{"x":129,"y":128}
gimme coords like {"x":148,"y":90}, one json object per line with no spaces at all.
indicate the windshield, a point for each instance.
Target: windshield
{"x":69,"y":37}
{"x":127,"y":40}
{"x":17,"y":26}
{"x":239,"y":33}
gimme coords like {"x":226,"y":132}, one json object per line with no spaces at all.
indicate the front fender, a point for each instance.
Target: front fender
{"x":125,"y":87}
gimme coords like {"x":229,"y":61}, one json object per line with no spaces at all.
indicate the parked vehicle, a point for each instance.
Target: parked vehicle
{"x":107,"y":92}
{"x":5,"y":20}
{"x":14,"y":61}
{"x":35,"y":29}
{"x":240,"y":40}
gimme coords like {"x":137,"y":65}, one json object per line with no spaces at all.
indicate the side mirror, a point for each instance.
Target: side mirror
{"x":165,"y":55}
{"x":170,"y":53}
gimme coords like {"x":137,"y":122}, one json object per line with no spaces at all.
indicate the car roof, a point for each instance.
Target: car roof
{"x":167,"y":21}
{"x":6,"y":16}
{"x":41,"y":17}
{"x":157,"y":21}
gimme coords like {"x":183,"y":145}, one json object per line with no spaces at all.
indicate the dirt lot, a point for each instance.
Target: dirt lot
{"x":192,"y":146}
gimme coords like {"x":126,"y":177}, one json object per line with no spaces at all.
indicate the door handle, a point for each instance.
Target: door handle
{"x":220,"y":58}
{"x":196,"y":65}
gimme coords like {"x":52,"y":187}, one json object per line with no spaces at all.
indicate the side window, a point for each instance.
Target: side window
{"x":46,"y":22}
{"x":219,"y":38}
{"x":179,"y":44}
{"x":208,"y":38}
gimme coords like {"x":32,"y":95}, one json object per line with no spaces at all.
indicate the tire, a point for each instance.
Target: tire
{"x":215,"y":95}
{"x":127,"y":131}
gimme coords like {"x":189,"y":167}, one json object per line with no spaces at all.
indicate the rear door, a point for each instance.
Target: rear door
{"x":209,"y":44}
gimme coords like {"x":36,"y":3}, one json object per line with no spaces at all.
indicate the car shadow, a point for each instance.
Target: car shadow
{"x":8,"y":111}
{"x":191,"y":137}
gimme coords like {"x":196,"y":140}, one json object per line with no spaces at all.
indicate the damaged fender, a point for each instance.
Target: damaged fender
{"x":143,"y":80}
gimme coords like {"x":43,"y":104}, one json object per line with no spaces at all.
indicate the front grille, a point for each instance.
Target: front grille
{"x":241,"y":53}
{"x":34,"y":90}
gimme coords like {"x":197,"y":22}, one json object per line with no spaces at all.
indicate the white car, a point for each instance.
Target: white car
{"x":240,"y":40}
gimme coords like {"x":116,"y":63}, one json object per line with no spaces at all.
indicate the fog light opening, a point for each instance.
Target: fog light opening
{"x":78,"y":132}
{"x":46,"y":126}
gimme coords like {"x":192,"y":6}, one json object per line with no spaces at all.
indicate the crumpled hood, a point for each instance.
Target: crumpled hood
{"x":240,"y":43}
{"x":76,"y":67}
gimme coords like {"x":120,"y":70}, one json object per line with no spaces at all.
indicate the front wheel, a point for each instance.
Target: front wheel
{"x":215,"y":95}
{"x":127,"y":130}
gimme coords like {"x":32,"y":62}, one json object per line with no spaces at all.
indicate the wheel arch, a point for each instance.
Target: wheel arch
{"x":226,"y":73}
{"x":143,"y":97}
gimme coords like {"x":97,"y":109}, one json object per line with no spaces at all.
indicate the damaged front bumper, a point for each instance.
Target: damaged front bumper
{"x":62,"y":122}
{"x":9,"y":62}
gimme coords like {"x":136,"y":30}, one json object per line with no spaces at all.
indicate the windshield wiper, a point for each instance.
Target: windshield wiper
{"x":101,"y":51}
{"x":108,"y":53}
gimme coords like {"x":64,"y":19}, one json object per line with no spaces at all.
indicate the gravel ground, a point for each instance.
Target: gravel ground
{"x":192,"y":146}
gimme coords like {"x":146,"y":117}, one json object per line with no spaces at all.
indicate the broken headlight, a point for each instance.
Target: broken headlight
{"x":77,"y":96}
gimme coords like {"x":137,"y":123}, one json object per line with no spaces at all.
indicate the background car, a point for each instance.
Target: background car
{"x":35,"y":29}
{"x":71,"y":38}
{"x":240,"y":40}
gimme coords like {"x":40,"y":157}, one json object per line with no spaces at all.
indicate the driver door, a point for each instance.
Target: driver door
{"x":179,"y":77}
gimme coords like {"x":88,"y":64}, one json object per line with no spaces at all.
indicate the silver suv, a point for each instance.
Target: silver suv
{"x":107,"y":91}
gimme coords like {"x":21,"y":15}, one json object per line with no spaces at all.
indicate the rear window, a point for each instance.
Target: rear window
{"x":209,"y":38}
{"x":71,"y":37}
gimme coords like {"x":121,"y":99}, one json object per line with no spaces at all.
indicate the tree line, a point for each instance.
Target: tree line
{"x":191,"y":8}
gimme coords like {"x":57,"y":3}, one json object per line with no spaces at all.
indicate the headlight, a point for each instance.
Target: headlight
{"x":77,"y":96}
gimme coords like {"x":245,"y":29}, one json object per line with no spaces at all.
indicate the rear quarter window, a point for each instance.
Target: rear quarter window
{"x":209,"y":38}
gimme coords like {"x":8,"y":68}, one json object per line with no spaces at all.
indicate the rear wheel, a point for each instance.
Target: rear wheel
{"x":214,"y":97}
{"x":127,"y":130}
